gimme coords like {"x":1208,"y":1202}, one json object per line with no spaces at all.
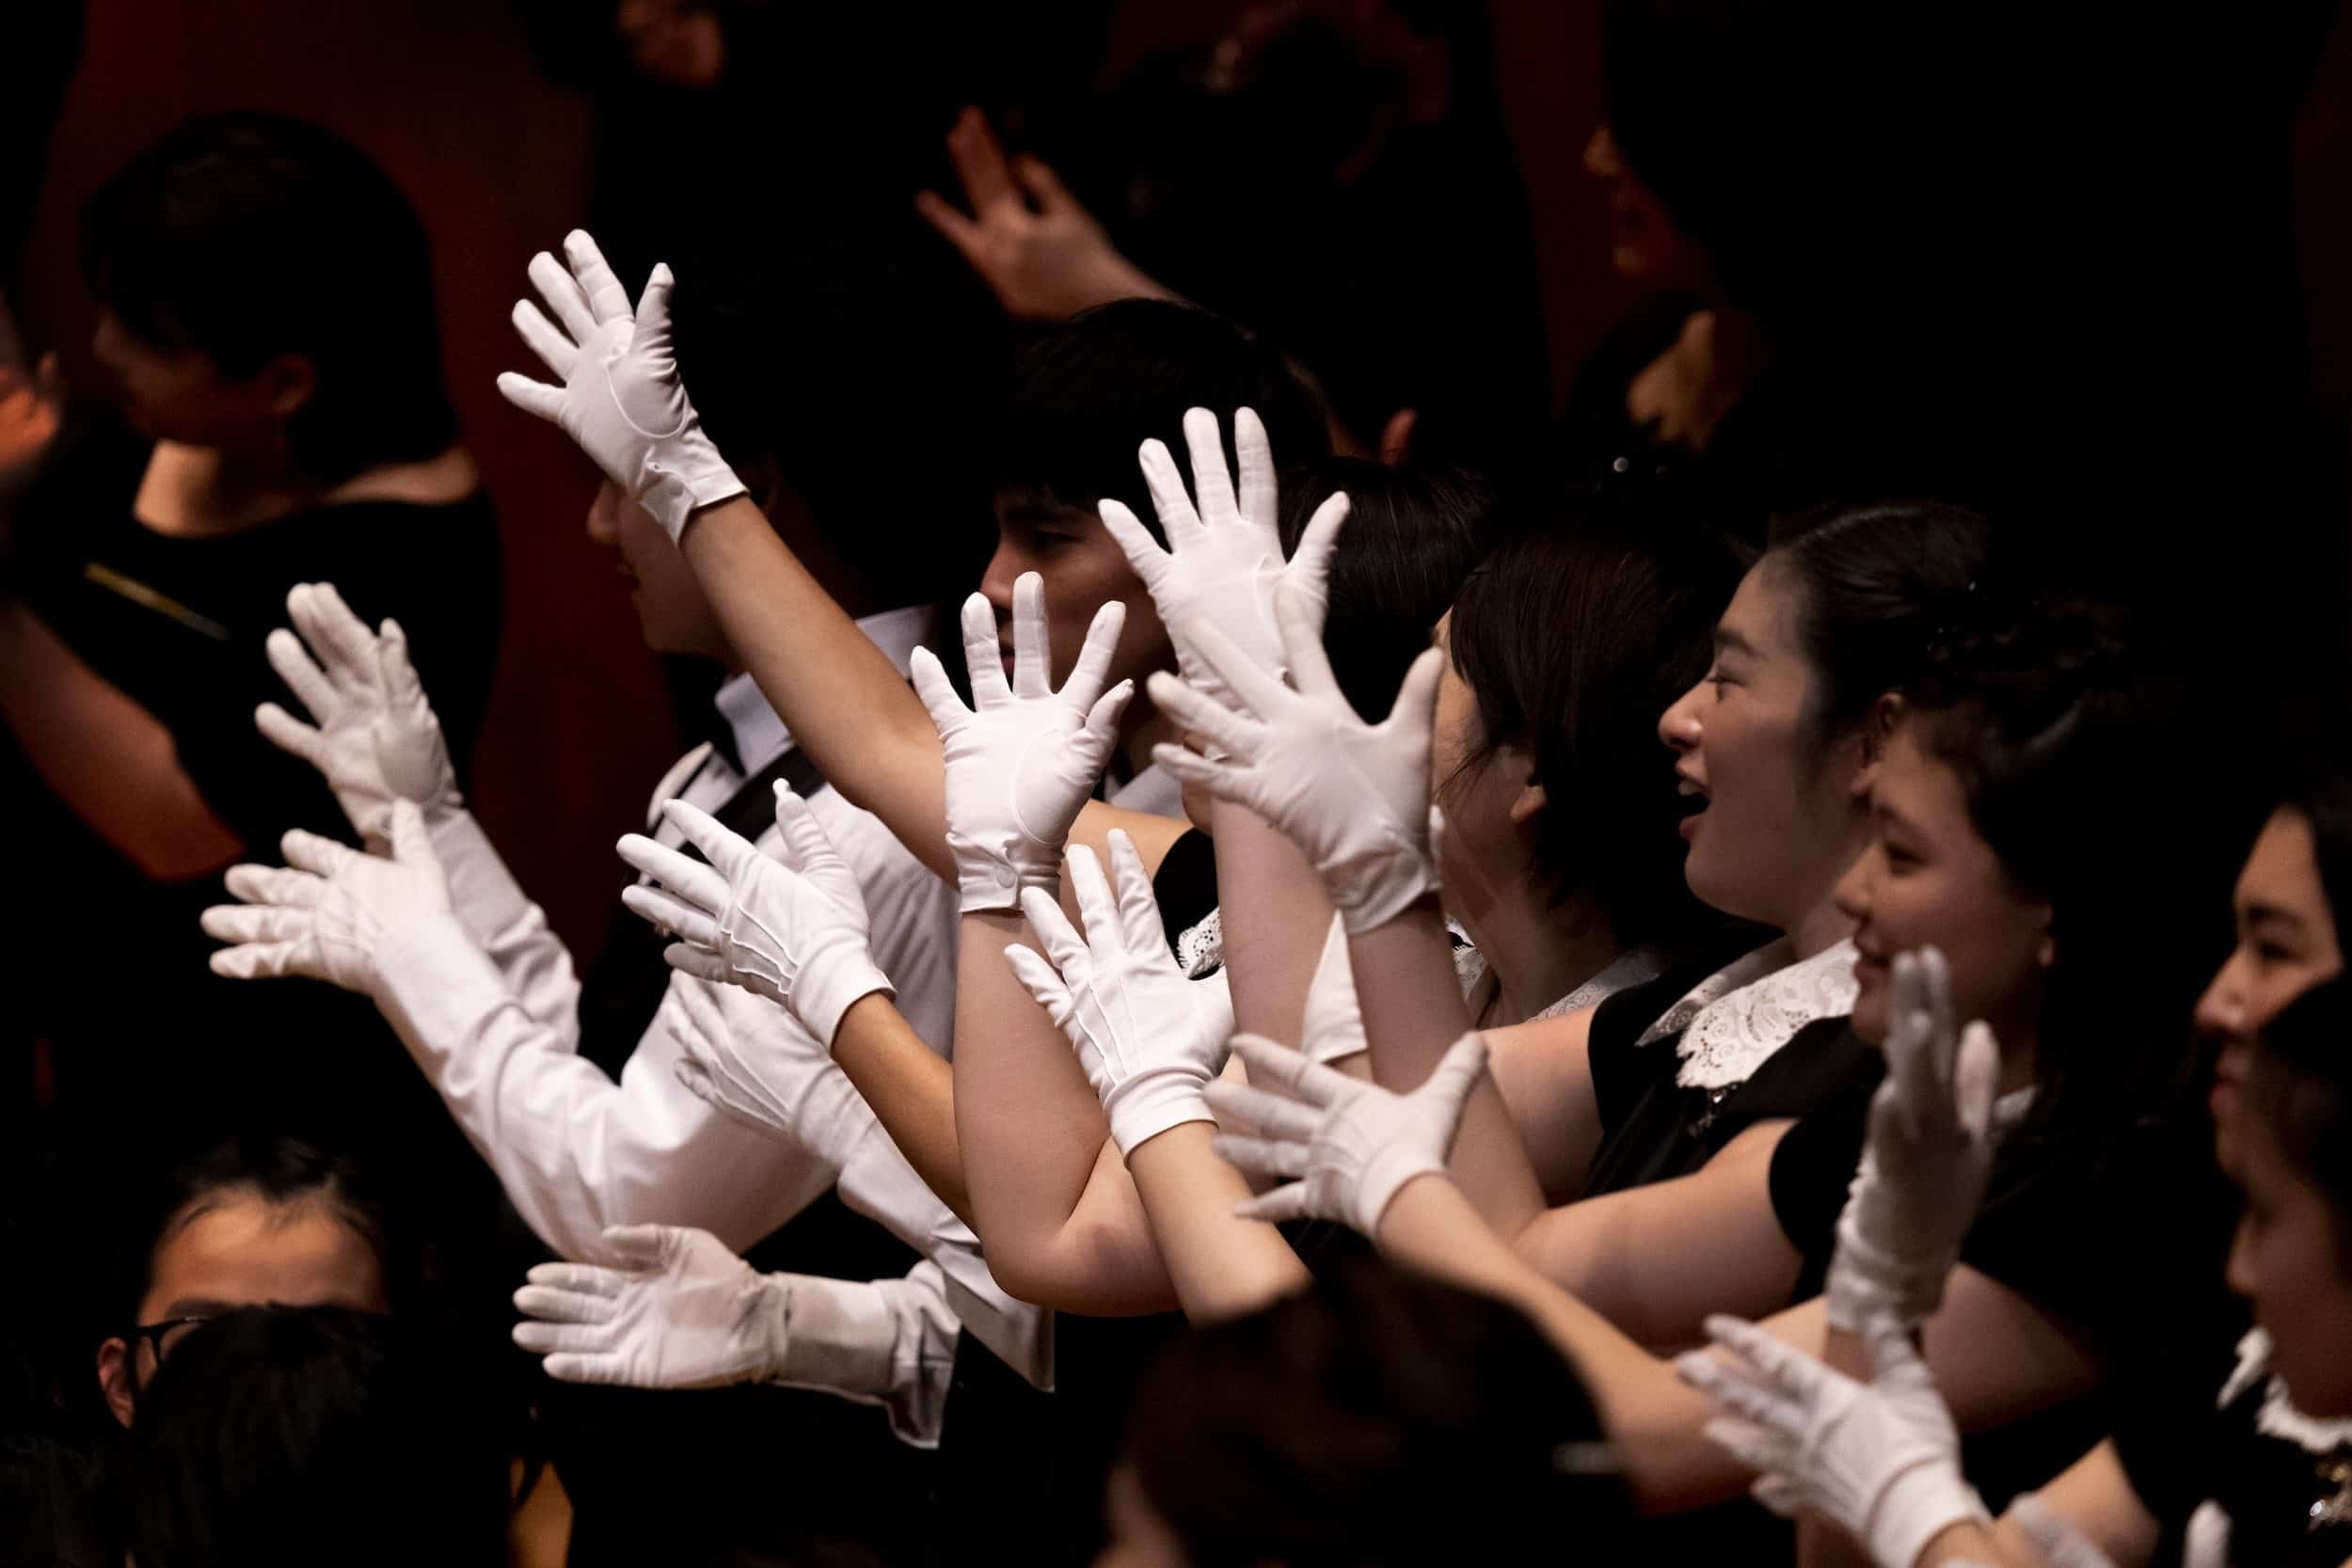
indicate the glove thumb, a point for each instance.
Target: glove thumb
{"x":411,"y":844}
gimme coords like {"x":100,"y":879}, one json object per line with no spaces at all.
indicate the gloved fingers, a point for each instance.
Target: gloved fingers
{"x":555,"y":351}
{"x":701,"y":964}
{"x":697,"y":1015}
{"x":301,"y":673}
{"x":1977,"y":1082}
{"x":344,"y":644}
{"x":1096,"y":907}
{"x":1102,"y":727}
{"x":557,"y":286}
{"x":291,"y":734}
{"x":541,"y":1338}
{"x":1145,"y":557}
{"x":1782,"y":1365}
{"x":1212,"y":482}
{"x":307,"y":851}
{"x":808,"y":849}
{"x":651,"y":337}
{"x":1285,"y":1202}
{"x":1935,"y":995}
{"x":1415,"y":712}
{"x":1734,"y":1386}
{"x":650,"y":1247}
{"x":257,"y":922}
{"x":1263,"y":1156}
{"x":581,"y":1280}
{"x":553,"y":1304}
{"x":532,"y":397}
{"x":1222,"y":780}
{"x":403,"y":693}
{"x":1067,"y":950}
{"x":705,"y":885}
{"x":1273,"y":1064}
{"x":1271,"y":1114}
{"x":410,"y":843}
{"x":1203,"y":715}
{"x":1039,"y":979}
{"x":1178,"y":520}
{"x":263,"y":961}
{"x":1093,"y":666}
{"x":1456,"y":1074}
{"x":729,"y":852}
{"x":606,"y":1370}
{"x":1779,"y":1494}
{"x":607,"y":300}
{"x":1760,"y":1448}
{"x":983,"y":657}
{"x":2059,"y":1542}
{"x":1309,"y":574}
{"x":274,"y":884}
{"x":1138,"y":911}
{"x":1253,"y":460}
{"x":685,"y":920}
{"x":1032,"y":647}
{"x":935,"y":690}
{"x":1253,"y":683}
{"x":1299,"y":625}
{"x":1894,"y":1359}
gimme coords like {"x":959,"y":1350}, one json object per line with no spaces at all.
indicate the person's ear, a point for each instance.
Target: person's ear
{"x":290,"y":381}
{"x":1529,"y":799}
{"x":115,"y":1375}
{"x":1878,"y":728}
{"x":2046,"y":954}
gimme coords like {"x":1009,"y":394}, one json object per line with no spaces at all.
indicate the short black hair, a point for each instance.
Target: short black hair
{"x":1377,"y":1417}
{"x":1086,"y":392}
{"x":1410,"y":537}
{"x":245,"y":236}
{"x":281,"y":1171}
{"x":1575,"y":631}
{"x":276,"y":1436}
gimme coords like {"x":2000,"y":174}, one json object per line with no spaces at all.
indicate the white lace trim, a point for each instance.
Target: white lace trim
{"x":2278,"y":1416}
{"x":1638,"y":967}
{"x":1731,"y":1035}
{"x":1201,"y":946}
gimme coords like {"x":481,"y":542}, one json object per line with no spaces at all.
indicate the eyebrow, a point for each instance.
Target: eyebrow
{"x":2266,"y":914}
{"x":1727,"y":639}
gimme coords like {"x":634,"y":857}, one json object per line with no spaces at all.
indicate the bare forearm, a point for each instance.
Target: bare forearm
{"x":910,"y":1091}
{"x":848,"y":707}
{"x":107,"y":757}
{"x":1274,"y":913}
{"x":1221,"y":1266}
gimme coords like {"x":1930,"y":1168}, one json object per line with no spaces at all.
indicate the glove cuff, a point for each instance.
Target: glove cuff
{"x":1384,"y":1176}
{"x":1375,"y":889}
{"x":1916,"y":1507}
{"x":686,"y":475}
{"x":1148,"y":1104}
{"x":1865,"y":1283}
{"x":830,"y":982}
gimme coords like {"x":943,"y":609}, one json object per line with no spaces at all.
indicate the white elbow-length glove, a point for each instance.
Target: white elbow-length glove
{"x":793,"y":930}
{"x":332,"y":913}
{"x":1881,"y":1459}
{"x":1223,"y":561}
{"x":1354,"y":797}
{"x":1343,"y":1147}
{"x":1150,"y":1040}
{"x":1024,"y":759}
{"x":1928,"y":1157}
{"x":621,"y":396}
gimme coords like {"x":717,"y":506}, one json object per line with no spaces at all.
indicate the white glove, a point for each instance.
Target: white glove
{"x":1354,"y":797}
{"x":1150,"y":1040}
{"x":1880,"y":1458}
{"x":792,"y":930}
{"x":1024,"y":760}
{"x":683,"y":1312}
{"x":2062,"y":1545}
{"x":756,"y":1064}
{"x":1927,"y":1158}
{"x":1223,"y":563}
{"x":1348,"y":1145}
{"x":373,"y":735}
{"x":335,"y":912}
{"x":1331,"y":1030}
{"x":622,"y":399}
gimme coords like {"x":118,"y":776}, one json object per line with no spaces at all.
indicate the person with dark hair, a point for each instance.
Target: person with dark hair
{"x":275,"y":1435}
{"x":267,"y":310}
{"x":1377,"y":1418}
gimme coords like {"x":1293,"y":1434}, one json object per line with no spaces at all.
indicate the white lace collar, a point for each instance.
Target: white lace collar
{"x":2278,"y":1416}
{"x":1733,"y":1020}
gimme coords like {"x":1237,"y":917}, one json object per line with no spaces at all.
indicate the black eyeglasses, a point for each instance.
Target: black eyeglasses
{"x":160,"y":1336}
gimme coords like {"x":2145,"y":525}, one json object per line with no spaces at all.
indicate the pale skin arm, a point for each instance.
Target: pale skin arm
{"x":1222,"y":1265}
{"x":107,"y":756}
{"x":910,"y":1089}
{"x":1995,"y":1357}
{"x":2094,"y":1494}
{"x":1274,"y":913}
{"x":847,"y":705}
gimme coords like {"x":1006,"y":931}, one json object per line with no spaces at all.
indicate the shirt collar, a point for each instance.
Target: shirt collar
{"x":757,"y":737}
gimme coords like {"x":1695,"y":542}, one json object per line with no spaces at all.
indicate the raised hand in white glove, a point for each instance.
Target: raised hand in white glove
{"x":1927,"y":1158}
{"x":1346,"y":1145}
{"x":1024,"y":759}
{"x":2059,"y":1542}
{"x":622,"y":399}
{"x":793,"y":930}
{"x":681,"y":1312}
{"x":1223,"y":563}
{"x":1354,"y":797}
{"x":373,"y":735}
{"x":757,"y":1064}
{"x":332,"y":911}
{"x":1881,"y":1459}
{"x":1150,"y":1040}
